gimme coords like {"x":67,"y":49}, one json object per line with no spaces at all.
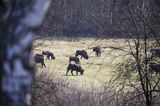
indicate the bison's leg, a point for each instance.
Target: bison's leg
{"x":42,"y":63}
{"x":72,"y":72}
{"x":67,"y":71}
{"x":100,"y":54}
{"x":48,"y":57}
{"x":97,"y":53}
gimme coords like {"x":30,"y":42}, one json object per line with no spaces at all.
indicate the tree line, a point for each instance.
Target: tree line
{"x":92,"y":18}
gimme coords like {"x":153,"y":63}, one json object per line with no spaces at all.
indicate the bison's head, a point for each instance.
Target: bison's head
{"x":87,"y":57}
{"x":44,"y":52}
{"x":94,"y":49}
{"x":77,"y":53}
{"x":53,"y":57}
{"x":82,"y":71}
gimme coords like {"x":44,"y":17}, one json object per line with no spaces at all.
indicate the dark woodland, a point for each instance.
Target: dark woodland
{"x":99,"y":18}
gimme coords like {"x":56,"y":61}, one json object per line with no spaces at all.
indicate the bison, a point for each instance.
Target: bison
{"x":97,"y":51}
{"x":45,"y":53}
{"x":74,"y":67}
{"x":155,"y":52}
{"x":38,"y":58}
{"x":75,"y":59}
{"x":48,"y":54}
{"x":154,"y":67}
{"x":82,"y":53}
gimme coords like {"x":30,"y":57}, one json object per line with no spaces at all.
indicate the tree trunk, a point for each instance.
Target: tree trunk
{"x":17,"y":19}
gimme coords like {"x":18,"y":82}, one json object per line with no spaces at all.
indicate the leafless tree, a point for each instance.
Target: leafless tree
{"x":144,"y":37}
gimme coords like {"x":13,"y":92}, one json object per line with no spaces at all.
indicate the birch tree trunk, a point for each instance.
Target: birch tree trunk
{"x":17,"y":19}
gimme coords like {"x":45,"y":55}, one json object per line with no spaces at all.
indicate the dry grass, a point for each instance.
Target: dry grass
{"x":53,"y":88}
{"x":98,"y":70}
{"x":48,"y":91}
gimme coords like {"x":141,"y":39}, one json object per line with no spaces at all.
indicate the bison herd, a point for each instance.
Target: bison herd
{"x":77,"y":66}
{"x":39,"y":58}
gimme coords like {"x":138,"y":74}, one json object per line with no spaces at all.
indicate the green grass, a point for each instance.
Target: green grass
{"x":98,"y":70}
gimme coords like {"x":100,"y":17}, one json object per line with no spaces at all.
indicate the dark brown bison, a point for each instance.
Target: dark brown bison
{"x":97,"y":51}
{"x":49,"y":55}
{"x":75,"y":59}
{"x":45,"y":53}
{"x":39,"y":58}
{"x":154,"y":67}
{"x":75,"y":67}
{"x":155,"y":52}
{"x":82,"y":53}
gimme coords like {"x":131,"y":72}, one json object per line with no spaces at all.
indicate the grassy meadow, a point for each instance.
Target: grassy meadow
{"x":53,"y":88}
{"x":98,"y":70}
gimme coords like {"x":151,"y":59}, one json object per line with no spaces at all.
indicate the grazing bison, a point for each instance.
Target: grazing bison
{"x":74,"y":67}
{"x":38,"y":58}
{"x":82,"y":53}
{"x":75,"y":59}
{"x":45,"y":53}
{"x":155,"y":52}
{"x":153,"y":67}
{"x":97,"y":49}
{"x":48,"y":54}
